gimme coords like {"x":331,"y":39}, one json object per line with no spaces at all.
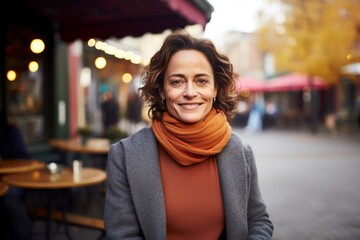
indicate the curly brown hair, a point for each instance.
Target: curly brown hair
{"x":153,"y":75}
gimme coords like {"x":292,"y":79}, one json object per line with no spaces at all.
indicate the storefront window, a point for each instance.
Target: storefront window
{"x":116,"y":78}
{"x":24,"y":84}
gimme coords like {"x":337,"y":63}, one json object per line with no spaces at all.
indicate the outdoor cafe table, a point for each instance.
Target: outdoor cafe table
{"x":3,"y":188}
{"x":75,"y":149}
{"x":75,"y":146}
{"x":19,"y":165}
{"x":44,"y":180}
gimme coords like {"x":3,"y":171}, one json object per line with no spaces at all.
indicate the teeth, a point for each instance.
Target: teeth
{"x":189,"y":105}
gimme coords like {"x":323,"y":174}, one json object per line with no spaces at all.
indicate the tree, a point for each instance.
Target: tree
{"x":316,"y":37}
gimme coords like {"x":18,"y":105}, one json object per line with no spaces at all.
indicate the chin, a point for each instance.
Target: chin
{"x":191,"y":119}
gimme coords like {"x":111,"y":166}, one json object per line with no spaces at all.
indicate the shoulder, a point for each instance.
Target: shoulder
{"x":237,"y":147}
{"x":141,"y":137}
{"x":236,"y":143}
{"x":135,"y":146}
{"x":140,"y":140}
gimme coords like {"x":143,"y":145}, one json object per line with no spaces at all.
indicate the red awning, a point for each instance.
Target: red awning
{"x":186,"y":9}
{"x":290,"y":82}
{"x":85,"y":19}
{"x":294,"y":82}
{"x":245,"y":84}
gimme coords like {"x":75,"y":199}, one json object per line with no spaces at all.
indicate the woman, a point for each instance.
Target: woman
{"x":188,"y":176}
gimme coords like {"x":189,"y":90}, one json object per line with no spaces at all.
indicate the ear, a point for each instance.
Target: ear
{"x":162,"y":95}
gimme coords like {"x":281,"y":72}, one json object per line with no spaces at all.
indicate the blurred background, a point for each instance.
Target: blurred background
{"x":71,"y":70}
{"x":298,"y":60}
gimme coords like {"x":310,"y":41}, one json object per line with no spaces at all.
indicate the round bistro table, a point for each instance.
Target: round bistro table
{"x":43,"y":179}
{"x":19,"y":165}
{"x":3,"y":188}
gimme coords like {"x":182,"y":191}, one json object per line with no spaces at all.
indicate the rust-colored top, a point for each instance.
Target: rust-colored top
{"x":193,"y":202}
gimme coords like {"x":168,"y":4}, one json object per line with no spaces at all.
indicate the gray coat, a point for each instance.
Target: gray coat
{"x":134,"y":207}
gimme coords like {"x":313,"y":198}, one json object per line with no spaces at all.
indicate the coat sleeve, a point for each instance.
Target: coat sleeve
{"x":260,"y":226}
{"x":119,"y":214}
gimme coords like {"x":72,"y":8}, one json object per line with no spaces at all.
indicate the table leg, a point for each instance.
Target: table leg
{"x":66,"y":225}
{"x":50,"y":210}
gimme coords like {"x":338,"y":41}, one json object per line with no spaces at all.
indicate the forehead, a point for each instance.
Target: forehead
{"x":189,"y":59}
{"x":188,"y":54}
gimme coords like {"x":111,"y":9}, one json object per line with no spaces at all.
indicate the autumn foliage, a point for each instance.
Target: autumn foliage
{"x":316,"y":37}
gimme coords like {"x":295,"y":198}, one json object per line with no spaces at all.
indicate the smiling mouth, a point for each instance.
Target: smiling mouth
{"x":190,"y":105}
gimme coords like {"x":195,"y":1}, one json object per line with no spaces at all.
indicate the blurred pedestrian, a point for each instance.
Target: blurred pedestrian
{"x":133,"y":111}
{"x":271,"y":112}
{"x":12,"y":144}
{"x":256,"y":115}
{"x":357,"y":110}
{"x":188,"y":176}
{"x":15,"y":223}
{"x":110,"y":110}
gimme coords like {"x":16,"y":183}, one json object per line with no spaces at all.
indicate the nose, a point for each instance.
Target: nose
{"x":189,"y":90}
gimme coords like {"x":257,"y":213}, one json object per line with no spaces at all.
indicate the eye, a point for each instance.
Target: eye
{"x":175,"y":82}
{"x":202,"y":81}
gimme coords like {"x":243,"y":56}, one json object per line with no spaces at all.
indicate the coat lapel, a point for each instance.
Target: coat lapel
{"x":233,"y":174}
{"x":145,"y":183}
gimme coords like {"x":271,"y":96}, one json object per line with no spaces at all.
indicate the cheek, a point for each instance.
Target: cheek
{"x":172,"y":94}
{"x":212,"y":93}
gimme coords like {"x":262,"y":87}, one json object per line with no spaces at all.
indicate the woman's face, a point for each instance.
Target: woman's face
{"x":189,"y":86}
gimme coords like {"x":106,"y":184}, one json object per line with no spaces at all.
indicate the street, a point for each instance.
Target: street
{"x":310,"y":183}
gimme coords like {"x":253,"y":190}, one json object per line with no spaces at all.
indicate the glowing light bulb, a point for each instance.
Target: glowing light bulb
{"x":100,"y":62}
{"x":11,"y":75}
{"x":37,"y":46}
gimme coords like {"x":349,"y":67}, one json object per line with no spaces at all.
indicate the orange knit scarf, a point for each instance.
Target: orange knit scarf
{"x":196,"y":142}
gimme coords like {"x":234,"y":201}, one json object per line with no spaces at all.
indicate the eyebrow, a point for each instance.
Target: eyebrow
{"x":183,"y":75}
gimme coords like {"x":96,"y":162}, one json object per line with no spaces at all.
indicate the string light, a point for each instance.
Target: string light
{"x":100,"y":62}
{"x":11,"y":75}
{"x":33,"y":66}
{"x":37,"y":46}
{"x":126,"y":77}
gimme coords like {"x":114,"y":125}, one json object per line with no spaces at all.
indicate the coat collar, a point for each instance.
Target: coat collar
{"x":233,"y":174}
{"x":143,"y":170}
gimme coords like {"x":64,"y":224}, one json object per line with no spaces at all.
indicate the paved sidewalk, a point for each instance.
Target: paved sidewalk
{"x":310,"y":183}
